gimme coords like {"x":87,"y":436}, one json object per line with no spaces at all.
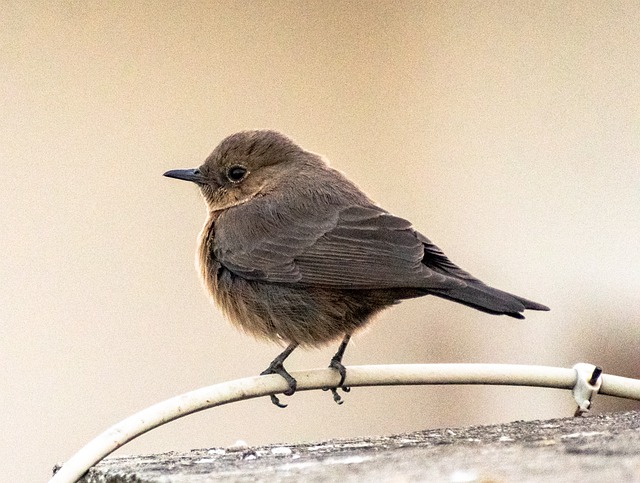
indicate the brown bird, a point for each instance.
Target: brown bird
{"x":293,"y":251}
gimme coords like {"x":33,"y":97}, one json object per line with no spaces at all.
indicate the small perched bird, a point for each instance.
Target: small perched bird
{"x":293,"y":251}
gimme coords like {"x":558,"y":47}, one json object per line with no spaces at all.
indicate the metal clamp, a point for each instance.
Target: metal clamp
{"x":588,"y":382}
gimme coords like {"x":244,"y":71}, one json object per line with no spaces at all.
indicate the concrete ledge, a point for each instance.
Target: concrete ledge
{"x":605,"y":447}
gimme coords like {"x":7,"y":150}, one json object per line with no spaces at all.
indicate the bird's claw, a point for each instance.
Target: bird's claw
{"x":336,"y":396}
{"x":338,"y":366}
{"x":276,"y":401}
{"x":276,"y":367}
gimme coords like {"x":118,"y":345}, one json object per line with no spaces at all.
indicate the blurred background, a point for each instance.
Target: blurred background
{"x":507,"y":132}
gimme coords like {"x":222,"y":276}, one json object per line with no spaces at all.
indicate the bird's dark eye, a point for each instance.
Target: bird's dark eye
{"x":236,"y":173}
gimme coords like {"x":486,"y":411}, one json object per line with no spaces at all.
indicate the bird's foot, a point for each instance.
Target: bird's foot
{"x":338,"y":366}
{"x":276,"y":367}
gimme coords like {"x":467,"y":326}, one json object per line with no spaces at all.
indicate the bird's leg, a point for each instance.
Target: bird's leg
{"x":276,"y":367}
{"x":336,"y":363}
{"x":336,"y":360}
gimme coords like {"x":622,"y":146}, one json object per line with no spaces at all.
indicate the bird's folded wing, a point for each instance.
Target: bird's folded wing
{"x":359,"y":247}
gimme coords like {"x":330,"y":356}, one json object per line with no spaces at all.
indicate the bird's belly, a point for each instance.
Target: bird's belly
{"x":310,"y":316}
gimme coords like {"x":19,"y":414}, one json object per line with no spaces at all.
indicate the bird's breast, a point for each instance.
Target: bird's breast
{"x":229,"y":292}
{"x":206,"y":263}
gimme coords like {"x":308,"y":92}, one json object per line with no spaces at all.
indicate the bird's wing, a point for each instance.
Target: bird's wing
{"x":359,"y":247}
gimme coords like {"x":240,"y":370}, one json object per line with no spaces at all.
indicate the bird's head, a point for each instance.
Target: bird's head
{"x":245,"y":165}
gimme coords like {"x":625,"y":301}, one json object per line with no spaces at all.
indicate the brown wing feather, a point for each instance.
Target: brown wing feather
{"x":358,"y":247}
{"x":354,"y":247}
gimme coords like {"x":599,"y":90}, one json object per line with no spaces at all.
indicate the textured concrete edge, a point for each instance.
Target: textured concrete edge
{"x":585,"y":448}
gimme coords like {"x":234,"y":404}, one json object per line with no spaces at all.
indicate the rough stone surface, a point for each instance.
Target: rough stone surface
{"x":595,"y":448}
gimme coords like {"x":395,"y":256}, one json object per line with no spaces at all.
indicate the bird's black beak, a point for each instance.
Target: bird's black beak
{"x":192,"y":175}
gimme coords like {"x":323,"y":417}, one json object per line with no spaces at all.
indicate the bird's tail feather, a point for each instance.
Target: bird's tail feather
{"x":490,"y":300}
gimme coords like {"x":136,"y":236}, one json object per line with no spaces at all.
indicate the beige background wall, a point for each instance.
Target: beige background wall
{"x":508,"y":132}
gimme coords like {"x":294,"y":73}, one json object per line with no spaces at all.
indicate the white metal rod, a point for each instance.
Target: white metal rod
{"x":387,"y":375}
